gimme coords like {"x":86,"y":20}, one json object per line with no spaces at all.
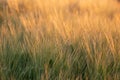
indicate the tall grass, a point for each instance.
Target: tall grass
{"x":59,"y":40}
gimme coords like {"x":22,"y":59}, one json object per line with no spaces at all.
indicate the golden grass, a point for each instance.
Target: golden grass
{"x":68,"y":29}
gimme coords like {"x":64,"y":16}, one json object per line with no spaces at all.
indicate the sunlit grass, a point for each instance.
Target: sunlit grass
{"x":59,"y":40}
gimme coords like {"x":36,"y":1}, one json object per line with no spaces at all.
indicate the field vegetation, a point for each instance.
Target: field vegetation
{"x":59,"y":40}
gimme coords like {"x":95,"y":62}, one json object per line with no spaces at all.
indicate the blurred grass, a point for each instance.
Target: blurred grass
{"x":56,"y":40}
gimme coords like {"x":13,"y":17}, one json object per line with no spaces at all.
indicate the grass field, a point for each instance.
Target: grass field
{"x":59,"y":40}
